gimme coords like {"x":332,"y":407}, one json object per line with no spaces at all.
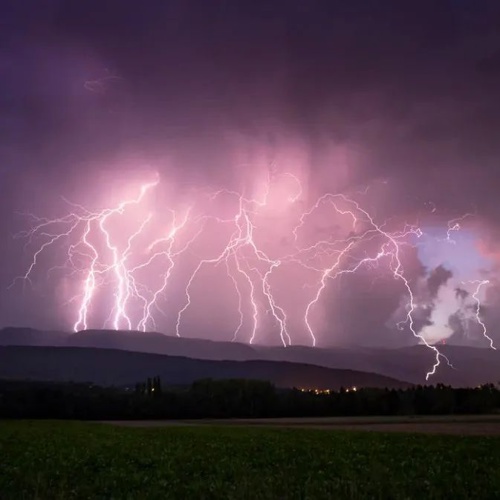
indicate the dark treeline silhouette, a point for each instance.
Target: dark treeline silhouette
{"x":233,"y":399}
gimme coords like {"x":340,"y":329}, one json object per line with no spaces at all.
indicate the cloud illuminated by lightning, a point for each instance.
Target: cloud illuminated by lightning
{"x":106,"y":257}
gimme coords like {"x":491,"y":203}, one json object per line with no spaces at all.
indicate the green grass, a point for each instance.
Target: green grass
{"x":52,"y":460}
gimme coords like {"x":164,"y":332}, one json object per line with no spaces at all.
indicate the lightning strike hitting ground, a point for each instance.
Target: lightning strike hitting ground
{"x":107,"y":259}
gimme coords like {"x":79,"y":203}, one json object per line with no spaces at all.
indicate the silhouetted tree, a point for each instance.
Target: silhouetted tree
{"x":232,"y":398}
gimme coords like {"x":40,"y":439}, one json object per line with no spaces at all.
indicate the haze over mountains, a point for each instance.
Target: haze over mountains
{"x":102,"y":360}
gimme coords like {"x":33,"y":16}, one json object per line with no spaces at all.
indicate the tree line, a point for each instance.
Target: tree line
{"x":233,"y":399}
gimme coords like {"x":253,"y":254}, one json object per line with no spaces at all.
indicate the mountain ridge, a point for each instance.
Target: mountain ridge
{"x":119,"y":367}
{"x":472,"y":366}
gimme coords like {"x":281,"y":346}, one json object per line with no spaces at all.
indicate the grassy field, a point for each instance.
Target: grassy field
{"x":50,"y":460}
{"x":468,"y":425}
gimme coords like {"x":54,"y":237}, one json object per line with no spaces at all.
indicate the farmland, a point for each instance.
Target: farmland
{"x":74,"y":460}
{"x":468,"y":425}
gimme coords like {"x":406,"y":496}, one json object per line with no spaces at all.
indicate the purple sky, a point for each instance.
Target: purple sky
{"x":394,"y":104}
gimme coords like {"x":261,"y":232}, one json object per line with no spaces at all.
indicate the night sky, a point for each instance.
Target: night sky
{"x":394,"y":104}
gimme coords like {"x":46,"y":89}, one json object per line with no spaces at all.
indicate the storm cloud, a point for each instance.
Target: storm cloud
{"x":393,"y":103}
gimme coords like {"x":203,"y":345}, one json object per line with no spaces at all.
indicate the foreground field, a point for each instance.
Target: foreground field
{"x":466,"y":425}
{"x":49,"y":460}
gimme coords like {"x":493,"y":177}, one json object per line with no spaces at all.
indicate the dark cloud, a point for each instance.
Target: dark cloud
{"x":437,"y":278}
{"x":399,"y":96}
{"x":461,"y":294}
{"x":367,"y":307}
{"x":464,"y":323}
{"x":459,"y":326}
{"x":466,"y":330}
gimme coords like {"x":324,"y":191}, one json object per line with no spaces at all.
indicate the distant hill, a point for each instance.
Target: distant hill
{"x":150,"y":342}
{"x":157,"y":343}
{"x":32,"y":336}
{"x":117,"y":367}
{"x":472,"y":366}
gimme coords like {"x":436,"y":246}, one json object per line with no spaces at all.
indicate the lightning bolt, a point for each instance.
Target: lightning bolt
{"x":480,"y":322}
{"x":455,"y":226}
{"x":242,"y":242}
{"x":96,"y":252}
{"x":89,"y":284}
{"x":86,"y":249}
{"x":391,"y":248}
{"x":170,"y":256}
